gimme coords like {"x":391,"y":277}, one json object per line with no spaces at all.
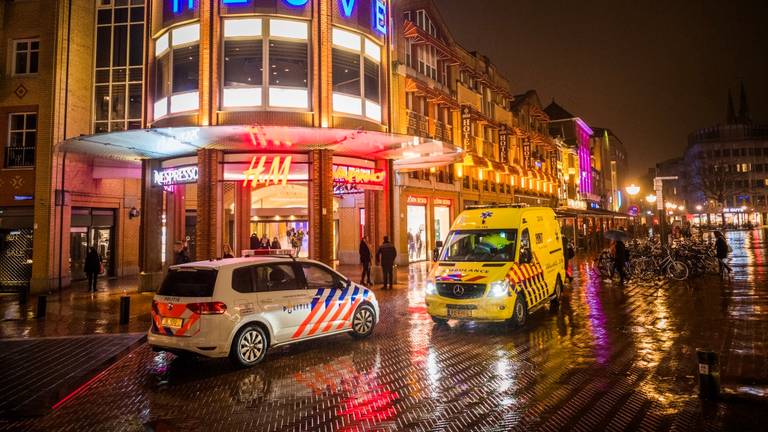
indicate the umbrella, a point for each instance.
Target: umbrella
{"x":616,"y":235}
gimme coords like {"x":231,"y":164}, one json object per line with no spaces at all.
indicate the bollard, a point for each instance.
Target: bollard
{"x":125,"y":309}
{"x":709,"y":374}
{"x":41,"y":306}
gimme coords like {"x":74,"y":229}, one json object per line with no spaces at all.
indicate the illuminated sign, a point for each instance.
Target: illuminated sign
{"x":418,"y":200}
{"x":527,"y":154}
{"x":179,"y":4}
{"x":23,"y":197}
{"x":442,"y":202}
{"x":296,"y":3}
{"x":257,"y":173}
{"x":358,"y":176}
{"x":174,"y":176}
{"x":347,"y":6}
{"x":380,"y":16}
{"x":466,"y":128}
{"x":503,"y":145}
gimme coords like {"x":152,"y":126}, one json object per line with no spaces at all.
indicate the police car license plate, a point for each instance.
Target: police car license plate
{"x":459,"y":313}
{"x":171,"y":322}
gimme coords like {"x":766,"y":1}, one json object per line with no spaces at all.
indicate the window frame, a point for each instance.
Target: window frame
{"x":29,"y":52}
{"x":264,"y":89}
{"x":337,"y":277}
{"x":362,"y":52}
{"x":24,"y":130}
{"x":169,"y":51}
{"x":130,"y":69}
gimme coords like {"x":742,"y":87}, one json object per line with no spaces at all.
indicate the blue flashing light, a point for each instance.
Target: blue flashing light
{"x":380,"y":16}
{"x":347,"y":6}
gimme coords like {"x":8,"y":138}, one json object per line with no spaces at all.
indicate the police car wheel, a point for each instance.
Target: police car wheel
{"x":362,"y":322}
{"x":519,"y":313}
{"x":249,"y":346}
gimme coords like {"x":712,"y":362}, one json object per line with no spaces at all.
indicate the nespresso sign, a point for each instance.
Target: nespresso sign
{"x":174,"y":176}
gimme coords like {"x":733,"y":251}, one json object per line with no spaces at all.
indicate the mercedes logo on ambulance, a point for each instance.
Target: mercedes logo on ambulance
{"x":458,"y":290}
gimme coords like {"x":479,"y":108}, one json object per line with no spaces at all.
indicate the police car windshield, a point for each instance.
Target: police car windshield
{"x":480,"y":245}
{"x":188,"y":283}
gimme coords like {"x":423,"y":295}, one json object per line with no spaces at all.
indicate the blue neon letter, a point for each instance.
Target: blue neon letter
{"x":296,"y":2}
{"x":347,"y":6}
{"x":380,"y":16}
{"x":229,"y":2}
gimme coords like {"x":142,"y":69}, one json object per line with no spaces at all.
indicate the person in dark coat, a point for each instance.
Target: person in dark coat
{"x":265,"y":243}
{"x":620,"y":259}
{"x":180,"y":255}
{"x":568,"y":254}
{"x":721,"y":252}
{"x":385,"y":256}
{"x":92,"y":267}
{"x":275,"y":244}
{"x":365,"y":261}
{"x":227,"y":252}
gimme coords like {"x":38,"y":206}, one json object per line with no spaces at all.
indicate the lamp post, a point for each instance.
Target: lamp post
{"x":632,"y":190}
{"x":658,"y":186}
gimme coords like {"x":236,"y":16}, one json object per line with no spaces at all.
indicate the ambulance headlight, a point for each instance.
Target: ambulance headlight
{"x":499,"y":288}
{"x":430,"y":290}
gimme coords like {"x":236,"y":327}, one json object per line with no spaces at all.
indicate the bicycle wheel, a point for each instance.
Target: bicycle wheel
{"x":677,"y":270}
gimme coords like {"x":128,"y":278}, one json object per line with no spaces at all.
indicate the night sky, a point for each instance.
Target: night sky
{"x":651,"y":71}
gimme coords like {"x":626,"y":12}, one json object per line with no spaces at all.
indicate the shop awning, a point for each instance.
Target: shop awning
{"x":407,"y":152}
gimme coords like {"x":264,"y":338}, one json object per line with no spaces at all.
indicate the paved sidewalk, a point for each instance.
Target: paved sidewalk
{"x":75,"y":311}
{"x":37,"y":373}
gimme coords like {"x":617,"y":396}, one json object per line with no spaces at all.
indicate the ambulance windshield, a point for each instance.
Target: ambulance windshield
{"x":480,"y":245}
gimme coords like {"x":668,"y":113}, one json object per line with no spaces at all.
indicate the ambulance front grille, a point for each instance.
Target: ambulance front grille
{"x":460,"y":290}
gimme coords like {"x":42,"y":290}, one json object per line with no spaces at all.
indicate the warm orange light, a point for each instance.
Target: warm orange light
{"x":479,"y":174}
{"x":459,"y":170}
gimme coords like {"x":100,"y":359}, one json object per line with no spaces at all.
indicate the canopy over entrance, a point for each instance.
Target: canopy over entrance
{"x":407,"y":152}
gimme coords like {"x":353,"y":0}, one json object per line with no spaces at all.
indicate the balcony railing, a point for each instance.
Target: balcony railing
{"x":417,"y":124}
{"x":443,"y":132}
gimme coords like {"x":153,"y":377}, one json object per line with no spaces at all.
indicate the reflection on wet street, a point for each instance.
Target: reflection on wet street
{"x":611,"y":358}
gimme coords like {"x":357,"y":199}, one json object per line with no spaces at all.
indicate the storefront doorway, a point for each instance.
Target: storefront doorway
{"x":91,"y":227}
{"x":442,"y":209}
{"x":417,"y":228}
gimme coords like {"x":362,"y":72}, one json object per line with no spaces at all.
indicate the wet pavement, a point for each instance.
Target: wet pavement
{"x":611,"y":358}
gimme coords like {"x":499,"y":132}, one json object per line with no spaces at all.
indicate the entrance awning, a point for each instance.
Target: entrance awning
{"x":160,"y":143}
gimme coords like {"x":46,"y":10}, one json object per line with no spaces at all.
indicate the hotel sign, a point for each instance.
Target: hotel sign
{"x":527,"y":154}
{"x":174,"y":176}
{"x":466,"y":128}
{"x":504,"y":145}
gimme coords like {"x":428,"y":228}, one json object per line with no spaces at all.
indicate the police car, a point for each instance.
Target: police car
{"x":240,"y":307}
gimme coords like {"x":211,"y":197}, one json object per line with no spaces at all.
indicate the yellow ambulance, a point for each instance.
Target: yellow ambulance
{"x":497,"y":264}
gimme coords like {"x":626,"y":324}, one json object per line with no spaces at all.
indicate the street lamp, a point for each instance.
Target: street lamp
{"x":699,"y":207}
{"x":633,"y":189}
{"x":651,"y":198}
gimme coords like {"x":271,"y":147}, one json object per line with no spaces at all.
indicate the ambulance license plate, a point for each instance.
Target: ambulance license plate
{"x":172,"y":322}
{"x":459,"y":313}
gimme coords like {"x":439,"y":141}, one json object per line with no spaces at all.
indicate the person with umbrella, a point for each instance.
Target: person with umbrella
{"x":619,"y":249}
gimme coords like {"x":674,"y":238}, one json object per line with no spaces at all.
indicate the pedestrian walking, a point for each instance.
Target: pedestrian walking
{"x":619,"y":250}
{"x":92,"y":267}
{"x":568,"y":254}
{"x":385,"y":257}
{"x":721,"y":252}
{"x":365,"y":261}
{"x":179,"y":253}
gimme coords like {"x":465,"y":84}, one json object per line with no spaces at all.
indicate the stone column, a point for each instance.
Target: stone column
{"x":242,"y":218}
{"x":321,"y":205}
{"x":150,"y":229}
{"x":209,"y":229}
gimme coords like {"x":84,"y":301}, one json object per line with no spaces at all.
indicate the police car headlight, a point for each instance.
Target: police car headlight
{"x":499,"y":288}
{"x":431,"y":288}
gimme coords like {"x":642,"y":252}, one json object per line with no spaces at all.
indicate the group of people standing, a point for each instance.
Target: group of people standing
{"x":264,"y":242}
{"x":385,"y":257}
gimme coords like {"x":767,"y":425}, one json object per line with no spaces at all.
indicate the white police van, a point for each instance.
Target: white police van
{"x":240,"y":307}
